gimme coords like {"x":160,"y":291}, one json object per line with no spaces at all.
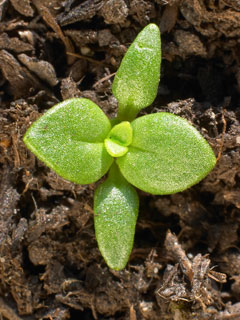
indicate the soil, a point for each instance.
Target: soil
{"x":185,"y":262}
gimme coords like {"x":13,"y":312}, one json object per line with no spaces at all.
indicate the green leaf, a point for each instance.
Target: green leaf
{"x":116,"y":210}
{"x":136,"y":81}
{"x":121,"y":133}
{"x":115,"y":149}
{"x":69,"y":138}
{"x":118,"y":139}
{"x":167,"y":155}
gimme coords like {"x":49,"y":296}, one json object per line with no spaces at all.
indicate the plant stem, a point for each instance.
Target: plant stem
{"x":126,"y":113}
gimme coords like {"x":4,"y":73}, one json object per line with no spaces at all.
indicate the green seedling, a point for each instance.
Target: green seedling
{"x":158,"y":153}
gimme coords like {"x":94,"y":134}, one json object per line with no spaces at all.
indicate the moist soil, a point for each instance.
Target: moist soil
{"x":185,"y":263}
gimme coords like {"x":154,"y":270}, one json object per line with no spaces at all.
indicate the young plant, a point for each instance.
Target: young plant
{"x":158,"y":153}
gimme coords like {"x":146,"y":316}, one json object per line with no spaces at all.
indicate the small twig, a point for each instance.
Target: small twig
{"x":35,"y":203}
{"x":16,"y":158}
{"x":50,"y":20}
{"x":132,"y":313}
{"x":172,"y":245}
{"x":201,"y":303}
{"x":223,"y":135}
{"x":217,"y":276}
{"x":27,"y":185}
{"x":84,"y":57}
{"x":104,"y":79}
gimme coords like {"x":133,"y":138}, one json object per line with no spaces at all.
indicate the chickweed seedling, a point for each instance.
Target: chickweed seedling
{"x":158,"y":153}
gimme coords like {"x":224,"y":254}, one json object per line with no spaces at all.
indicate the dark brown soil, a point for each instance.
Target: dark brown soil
{"x":186,"y":258}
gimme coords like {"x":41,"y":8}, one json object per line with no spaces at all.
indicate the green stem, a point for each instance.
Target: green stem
{"x":126,"y":113}
{"x":114,"y":173}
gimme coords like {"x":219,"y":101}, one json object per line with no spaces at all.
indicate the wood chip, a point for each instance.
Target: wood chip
{"x":14,"y":44}
{"x":21,"y":81}
{"x":23,"y":7}
{"x":43,"y":69}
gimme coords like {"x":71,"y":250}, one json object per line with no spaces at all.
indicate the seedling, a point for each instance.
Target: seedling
{"x":158,"y":153}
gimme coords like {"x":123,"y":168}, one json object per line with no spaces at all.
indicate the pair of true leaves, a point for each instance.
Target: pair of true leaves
{"x":159,"y":153}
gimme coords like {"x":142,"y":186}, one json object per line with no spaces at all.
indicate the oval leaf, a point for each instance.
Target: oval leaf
{"x":121,"y":133}
{"x":167,"y":155}
{"x":115,"y":149}
{"x":69,"y":137}
{"x":136,"y":81}
{"x":116,"y":210}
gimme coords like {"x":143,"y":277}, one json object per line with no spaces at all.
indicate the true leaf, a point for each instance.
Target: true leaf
{"x":136,"y":81}
{"x":118,"y":139}
{"x":116,"y":211}
{"x":69,"y":139}
{"x":115,"y":149}
{"x":167,"y":154}
{"x":121,"y":133}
